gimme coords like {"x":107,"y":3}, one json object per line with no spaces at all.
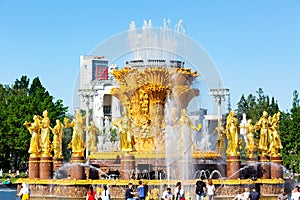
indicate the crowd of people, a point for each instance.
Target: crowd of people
{"x":204,"y":189}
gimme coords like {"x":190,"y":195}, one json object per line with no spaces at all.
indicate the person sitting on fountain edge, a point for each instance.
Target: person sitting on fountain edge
{"x":200,"y":189}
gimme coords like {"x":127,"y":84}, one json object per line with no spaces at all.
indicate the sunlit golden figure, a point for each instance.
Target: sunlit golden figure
{"x":232,"y":134}
{"x":58,"y":134}
{"x":77,"y":143}
{"x":262,"y":125}
{"x":92,"y":137}
{"x":251,"y":147}
{"x":45,"y":134}
{"x":126,"y":135}
{"x":275,"y":142}
{"x":34,"y":129}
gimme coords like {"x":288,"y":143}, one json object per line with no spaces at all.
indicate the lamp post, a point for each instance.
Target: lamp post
{"x":219,"y":95}
{"x":87,"y":96}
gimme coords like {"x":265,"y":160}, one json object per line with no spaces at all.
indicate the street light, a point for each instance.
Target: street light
{"x":87,"y":96}
{"x":219,"y":95}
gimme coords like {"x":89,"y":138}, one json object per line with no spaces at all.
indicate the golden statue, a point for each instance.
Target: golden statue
{"x":58,"y":134}
{"x":186,"y":125}
{"x":232,"y":134}
{"x":275,"y":142}
{"x":92,"y":137}
{"x":251,"y":147}
{"x":221,"y":139}
{"x":153,"y":194}
{"x":34,"y":129}
{"x":45,"y":134}
{"x":127,"y":141}
{"x":143,"y":92}
{"x":262,"y":125}
{"x":77,"y":142}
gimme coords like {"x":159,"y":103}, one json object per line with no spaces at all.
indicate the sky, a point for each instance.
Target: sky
{"x":254,"y":44}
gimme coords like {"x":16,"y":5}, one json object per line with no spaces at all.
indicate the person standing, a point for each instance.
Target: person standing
{"x":91,"y":194}
{"x":200,"y":188}
{"x":129,"y":194}
{"x":24,"y":193}
{"x":210,"y":188}
{"x":295,"y":194}
{"x":141,"y":191}
{"x":179,"y":192}
{"x":105,"y":194}
{"x":254,"y":195}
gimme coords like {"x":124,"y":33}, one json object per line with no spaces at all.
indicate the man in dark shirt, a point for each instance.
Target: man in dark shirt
{"x":254,"y":195}
{"x":200,"y":188}
{"x":129,"y":194}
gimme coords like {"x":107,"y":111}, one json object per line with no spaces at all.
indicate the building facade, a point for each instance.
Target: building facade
{"x":96,"y":80}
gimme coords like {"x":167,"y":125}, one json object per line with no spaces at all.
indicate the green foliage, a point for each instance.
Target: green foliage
{"x":113,"y":134}
{"x":253,"y":106}
{"x":290,"y":135}
{"x":18,"y":104}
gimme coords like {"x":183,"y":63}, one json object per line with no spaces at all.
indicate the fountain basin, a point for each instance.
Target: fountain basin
{"x":76,"y":189}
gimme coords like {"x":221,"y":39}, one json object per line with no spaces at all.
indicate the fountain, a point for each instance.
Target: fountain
{"x":157,"y":138}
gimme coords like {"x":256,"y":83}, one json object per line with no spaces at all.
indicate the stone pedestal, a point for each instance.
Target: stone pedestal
{"x":76,"y":170}
{"x":251,"y":170}
{"x":233,"y":167}
{"x":276,"y":167}
{"x":264,"y":167}
{"x":34,"y":171}
{"x":127,"y":166}
{"x":46,"y":167}
{"x":57,"y":163}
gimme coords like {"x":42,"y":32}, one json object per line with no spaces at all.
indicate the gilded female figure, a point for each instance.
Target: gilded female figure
{"x":232,"y":134}
{"x":250,"y":143}
{"x":34,"y":129}
{"x":186,"y":125}
{"x":275,"y":142}
{"x":45,"y":134}
{"x":77,"y":142}
{"x":58,"y":132}
{"x":92,"y":137}
{"x":127,"y":141}
{"x":263,"y":124}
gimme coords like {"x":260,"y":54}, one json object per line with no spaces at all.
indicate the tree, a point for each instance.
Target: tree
{"x":290,"y":135}
{"x":18,"y":104}
{"x":253,"y":106}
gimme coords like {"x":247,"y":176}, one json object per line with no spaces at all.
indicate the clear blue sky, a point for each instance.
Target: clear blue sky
{"x":253,"y":43}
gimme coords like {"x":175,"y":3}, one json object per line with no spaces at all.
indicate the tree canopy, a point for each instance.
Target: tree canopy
{"x":18,"y":104}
